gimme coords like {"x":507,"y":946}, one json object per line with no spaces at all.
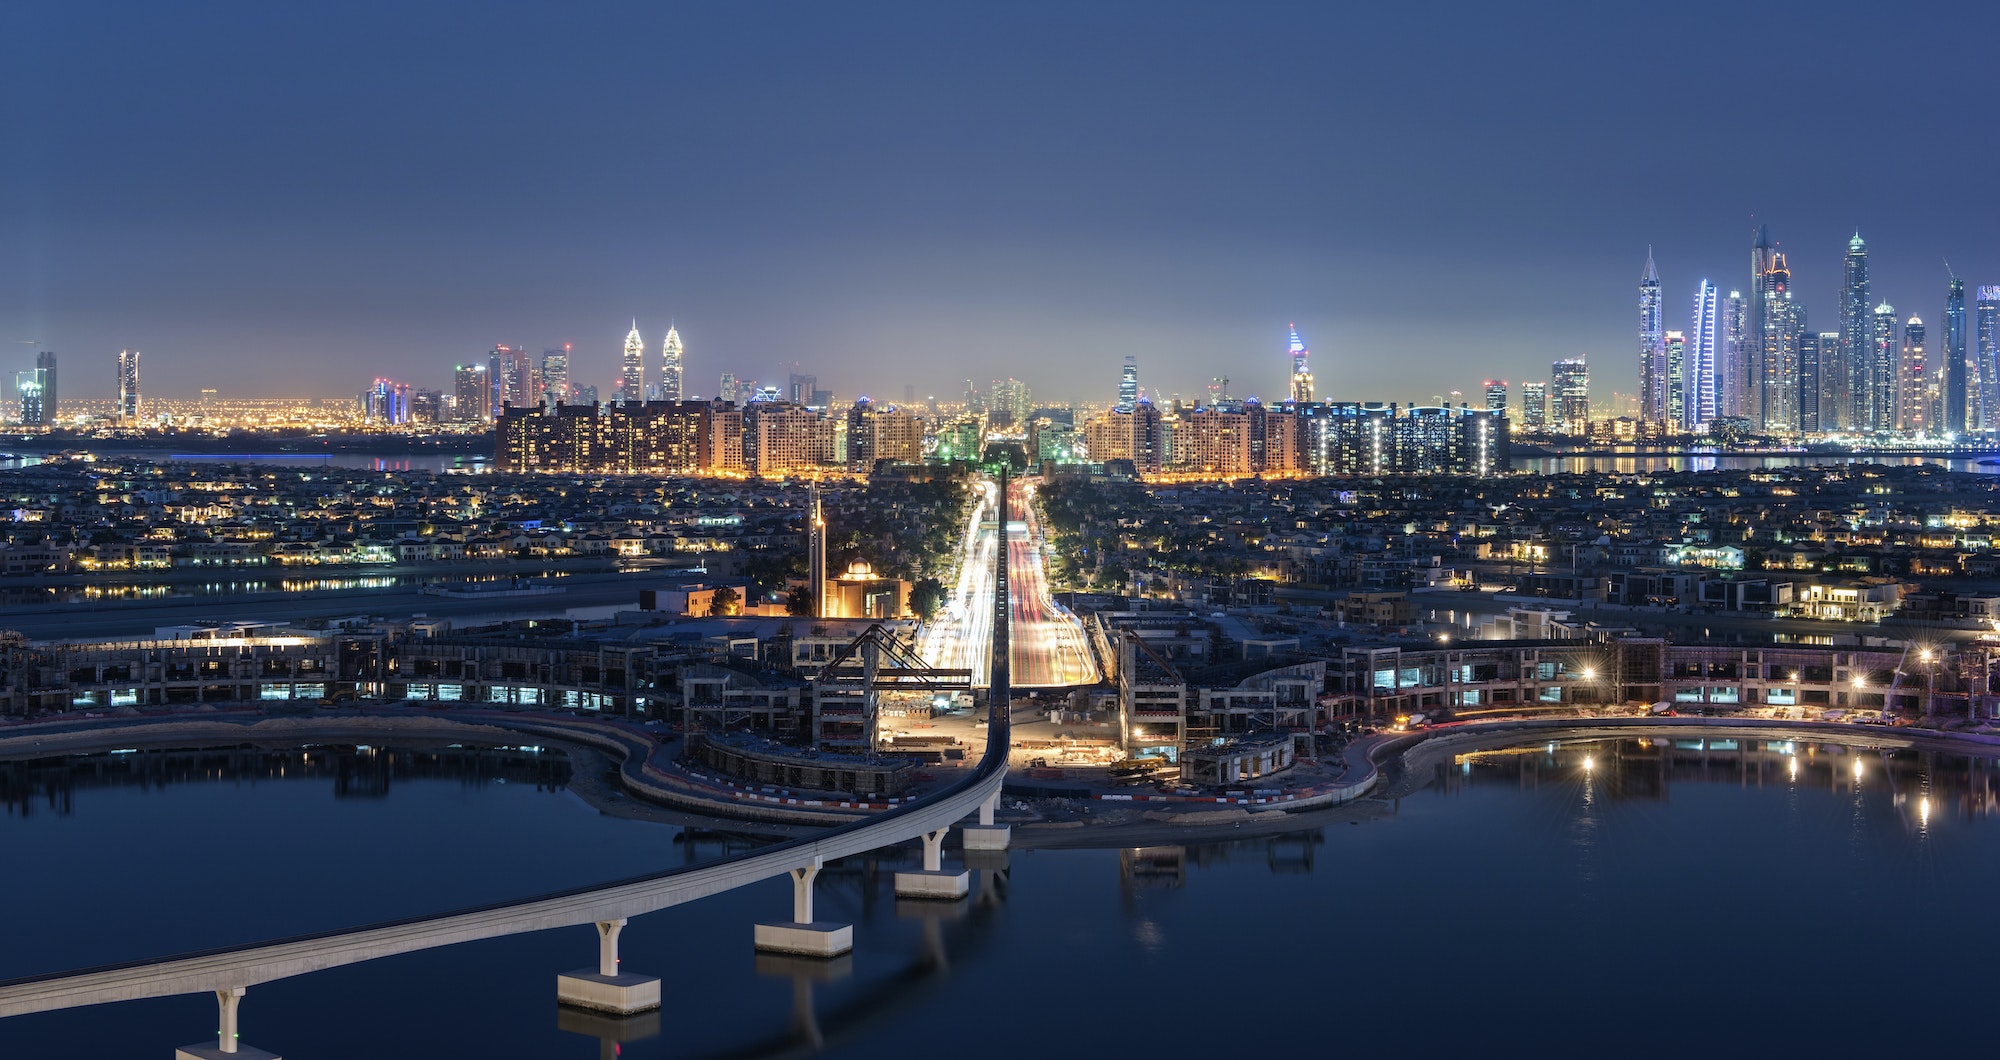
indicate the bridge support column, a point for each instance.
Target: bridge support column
{"x":986,"y":835}
{"x":804,"y":935}
{"x":932,"y":881}
{"x":606,"y":989}
{"x":226,"y":1044}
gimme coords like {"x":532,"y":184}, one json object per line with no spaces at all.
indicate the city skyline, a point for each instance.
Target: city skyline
{"x":789,"y":247}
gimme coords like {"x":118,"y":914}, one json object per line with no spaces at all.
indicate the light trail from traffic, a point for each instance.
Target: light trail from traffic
{"x":960,"y":637}
{"x":1049,"y":647}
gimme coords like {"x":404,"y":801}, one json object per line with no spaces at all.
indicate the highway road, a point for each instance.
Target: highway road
{"x":1050,"y":648}
{"x":961,"y":636}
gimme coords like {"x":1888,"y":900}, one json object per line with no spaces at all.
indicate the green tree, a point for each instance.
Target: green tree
{"x":726,"y":601}
{"x":799,"y":601}
{"x":927,"y":597}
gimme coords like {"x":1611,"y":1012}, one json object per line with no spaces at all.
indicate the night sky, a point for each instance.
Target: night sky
{"x":290,"y":199}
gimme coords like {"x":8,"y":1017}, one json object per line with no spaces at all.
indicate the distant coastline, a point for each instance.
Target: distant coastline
{"x":249,"y":444}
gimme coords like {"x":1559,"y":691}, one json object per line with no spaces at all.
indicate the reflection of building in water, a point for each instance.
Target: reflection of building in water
{"x":1922,"y":784}
{"x":1167,"y":866}
{"x":1153,"y":866}
{"x":366,"y":772}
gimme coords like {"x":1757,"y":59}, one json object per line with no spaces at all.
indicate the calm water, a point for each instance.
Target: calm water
{"x":1590,"y":899}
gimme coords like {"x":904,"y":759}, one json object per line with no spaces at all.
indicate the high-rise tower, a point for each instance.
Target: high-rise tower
{"x":1701,"y":363}
{"x":1884,"y":352}
{"x":1782,"y":323}
{"x":38,"y":391}
{"x":1128,"y":384}
{"x":1732,"y":373}
{"x":1652,"y":348}
{"x":555,"y":376}
{"x":1302,"y":380}
{"x":1755,"y":316}
{"x":1986,"y":325}
{"x":1535,"y":405}
{"x":632,"y":369}
{"x":128,"y":386}
{"x":670,"y":365}
{"x":1570,"y":381}
{"x":1916,"y":383}
{"x":1957,"y":395}
{"x":1676,"y":414}
{"x":1857,"y":338}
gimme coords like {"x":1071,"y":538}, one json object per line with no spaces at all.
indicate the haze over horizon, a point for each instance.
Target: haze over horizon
{"x":292,"y":200}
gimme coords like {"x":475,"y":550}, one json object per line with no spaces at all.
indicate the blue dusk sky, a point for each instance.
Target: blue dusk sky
{"x":293,"y":198}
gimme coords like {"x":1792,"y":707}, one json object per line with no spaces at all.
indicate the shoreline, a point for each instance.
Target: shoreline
{"x":642,"y":790}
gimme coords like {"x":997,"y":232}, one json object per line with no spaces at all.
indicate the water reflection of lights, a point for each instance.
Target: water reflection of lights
{"x":1924,"y":811}
{"x":1792,"y":766}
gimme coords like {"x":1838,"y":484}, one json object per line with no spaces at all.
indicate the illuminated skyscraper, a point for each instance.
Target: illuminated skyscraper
{"x":1571,"y":381}
{"x":1535,"y":406}
{"x":1810,"y":378}
{"x":1652,"y":346}
{"x":128,"y":386}
{"x":1755,"y":352}
{"x":37,"y":391}
{"x":1676,"y":413}
{"x":555,"y":376}
{"x":472,"y":394}
{"x":1732,"y":371}
{"x":1701,"y":351}
{"x":1986,"y":322}
{"x":1782,"y":325}
{"x":1885,"y":352}
{"x":512,"y":378}
{"x":670,"y":365}
{"x":387,"y":403}
{"x":1833,"y":393}
{"x":1496,"y":395}
{"x":1302,"y":380}
{"x":632,"y":369}
{"x":1916,"y":383}
{"x":1128,"y":384}
{"x":1957,"y":395}
{"x":1012,"y":401}
{"x":1857,"y":340}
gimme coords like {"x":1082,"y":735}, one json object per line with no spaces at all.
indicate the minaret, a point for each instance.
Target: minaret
{"x":632,"y":370}
{"x":1302,"y":380}
{"x":670,"y":367}
{"x":1652,"y":346}
{"x":816,"y":554}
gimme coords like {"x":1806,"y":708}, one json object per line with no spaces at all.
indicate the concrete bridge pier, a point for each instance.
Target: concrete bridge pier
{"x":804,"y":935}
{"x":932,"y":881}
{"x":226,"y":1044}
{"x":606,"y":989}
{"x":986,"y":835}
{"x":611,"y":1032}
